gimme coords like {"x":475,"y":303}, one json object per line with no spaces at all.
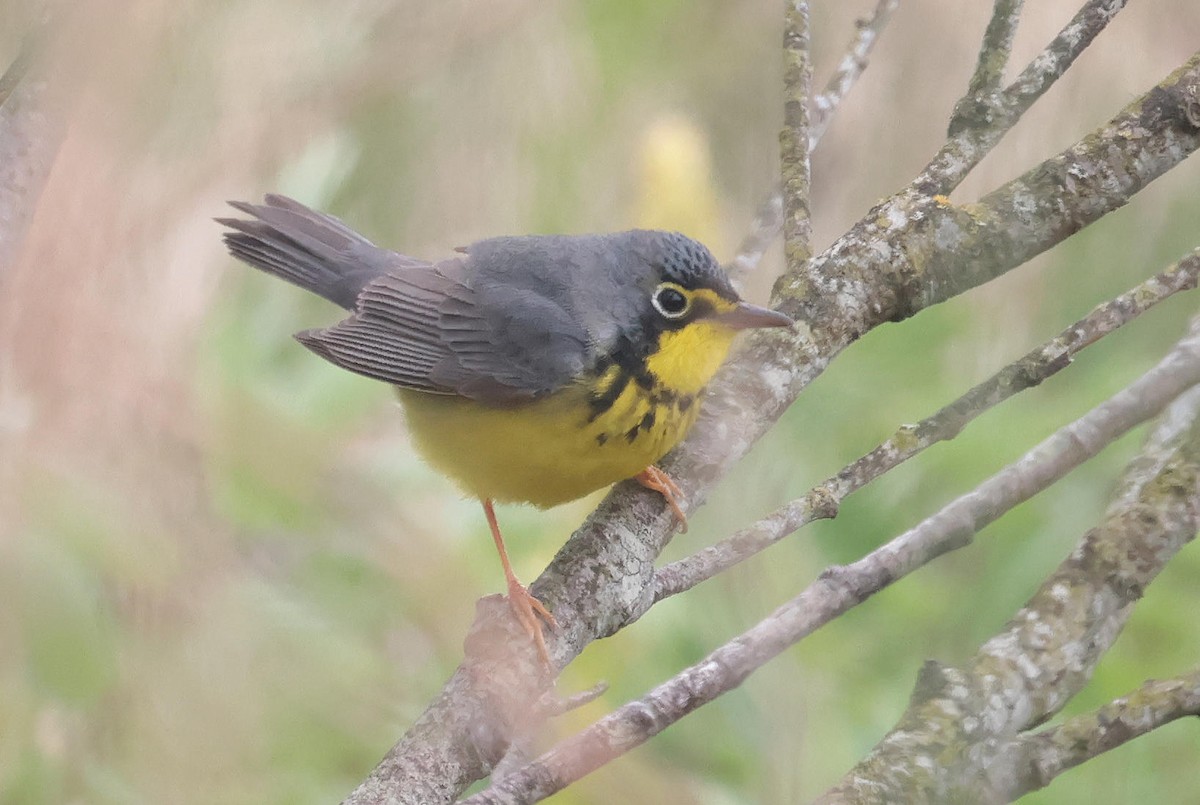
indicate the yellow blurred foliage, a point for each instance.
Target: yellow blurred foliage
{"x":676,"y":189}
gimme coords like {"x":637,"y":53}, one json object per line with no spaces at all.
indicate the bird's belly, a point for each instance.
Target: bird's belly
{"x":546,"y":452}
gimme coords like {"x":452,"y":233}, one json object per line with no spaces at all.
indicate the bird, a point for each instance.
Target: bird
{"x":532,"y":369}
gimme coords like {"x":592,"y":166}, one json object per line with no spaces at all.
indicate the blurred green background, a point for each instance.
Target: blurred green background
{"x":224,"y":577}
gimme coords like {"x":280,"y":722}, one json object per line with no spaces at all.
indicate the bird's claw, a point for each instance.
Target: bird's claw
{"x":528,"y":609}
{"x":655,"y":479}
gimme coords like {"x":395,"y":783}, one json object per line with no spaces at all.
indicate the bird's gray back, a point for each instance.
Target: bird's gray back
{"x":589,"y":288}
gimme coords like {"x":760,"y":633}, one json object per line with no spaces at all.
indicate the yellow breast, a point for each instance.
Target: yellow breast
{"x":586,"y":436}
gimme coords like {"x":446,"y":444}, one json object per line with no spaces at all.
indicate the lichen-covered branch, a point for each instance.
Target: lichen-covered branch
{"x":995,"y":50}
{"x":839,"y":589}
{"x":982,"y":118}
{"x":1032,"y":369}
{"x":795,"y":138}
{"x":966,"y":716}
{"x":853,"y":63}
{"x":1062,"y":51}
{"x":1037,"y":759}
{"x":932,"y":250}
{"x":767,"y":224}
{"x":908,"y":252}
{"x":769,"y":221}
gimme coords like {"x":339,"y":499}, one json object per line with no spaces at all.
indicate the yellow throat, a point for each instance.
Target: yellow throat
{"x":603,"y":428}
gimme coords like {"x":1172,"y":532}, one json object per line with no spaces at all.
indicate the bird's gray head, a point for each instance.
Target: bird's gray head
{"x":683,"y":261}
{"x":676,"y":268}
{"x":619,"y":286}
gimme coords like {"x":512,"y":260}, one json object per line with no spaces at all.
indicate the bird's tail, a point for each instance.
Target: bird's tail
{"x":308,"y":248}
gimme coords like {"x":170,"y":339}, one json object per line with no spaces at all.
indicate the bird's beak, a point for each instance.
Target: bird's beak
{"x":746,"y":316}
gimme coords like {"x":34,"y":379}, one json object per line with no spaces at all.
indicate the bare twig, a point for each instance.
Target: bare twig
{"x":556,"y":706}
{"x":794,"y":139}
{"x":1161,"y":443}
{"x":984,"y":95}
{"x":965,"y":716}
{"x":769,"y":221}
{"x":1058,"y":56}
{"x":996,"y":48}
{"x":1088,"y":169}
{"x":851,"y":66}
{"x":1039,"y":758}
{"x":549,"y":706}
{"x":909,"y":252}
{"x":823,"y":500}
{"x":981,"y":119}
{"x":767,"y":225}
{"x":839,"y":589}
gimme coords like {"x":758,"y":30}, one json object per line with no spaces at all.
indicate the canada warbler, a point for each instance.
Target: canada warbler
{"x":532,"y":369}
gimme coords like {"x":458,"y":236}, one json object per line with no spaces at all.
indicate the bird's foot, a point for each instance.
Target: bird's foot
{"x":654,"y":478}
{"x":530,"y":613}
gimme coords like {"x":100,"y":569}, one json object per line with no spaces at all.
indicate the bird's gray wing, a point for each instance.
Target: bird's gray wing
{"x":427,"y":328}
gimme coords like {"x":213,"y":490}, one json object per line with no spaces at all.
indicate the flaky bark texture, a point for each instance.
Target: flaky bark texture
{"x":913,"y":250}
{"x":953,"y":744}
{"x":971,"y":732}
{"x":1035,"y":760}
{"x":909,"y":440}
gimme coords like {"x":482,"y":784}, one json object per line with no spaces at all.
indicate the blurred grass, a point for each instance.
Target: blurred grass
{"x":224,"y":577}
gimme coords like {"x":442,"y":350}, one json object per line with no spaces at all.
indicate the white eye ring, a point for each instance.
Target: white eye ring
{"x":671,"y":301}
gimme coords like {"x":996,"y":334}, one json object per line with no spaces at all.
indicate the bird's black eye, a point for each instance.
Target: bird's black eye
{"x":671,"y":301}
